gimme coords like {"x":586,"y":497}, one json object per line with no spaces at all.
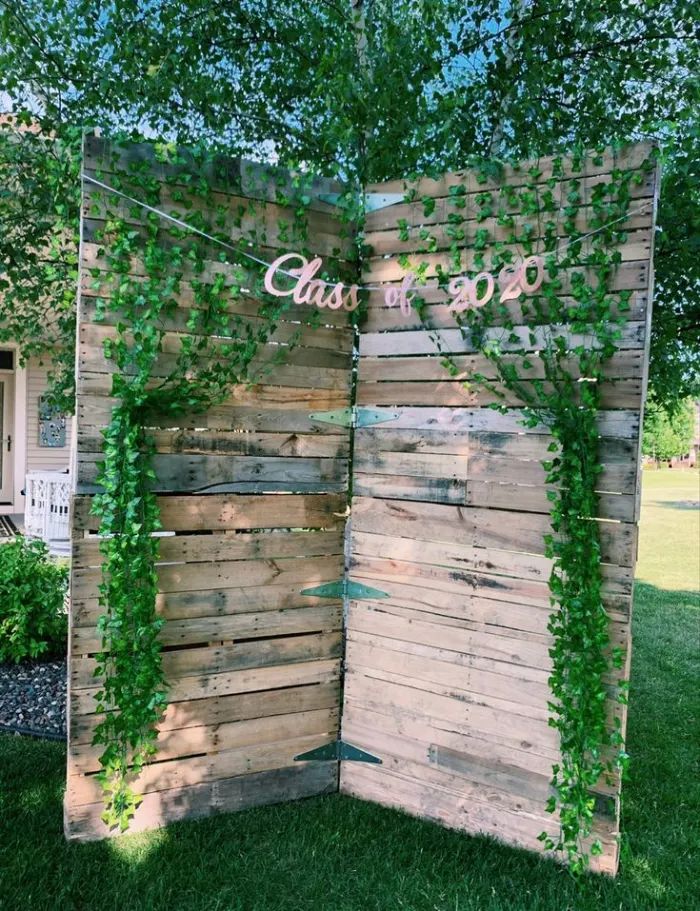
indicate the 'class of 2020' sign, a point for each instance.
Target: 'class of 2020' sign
{"x":466,"y":293}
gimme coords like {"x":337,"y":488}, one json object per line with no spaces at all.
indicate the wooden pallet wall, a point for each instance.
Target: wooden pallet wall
{"x":252,"y":497}
{"x":446,"y":678}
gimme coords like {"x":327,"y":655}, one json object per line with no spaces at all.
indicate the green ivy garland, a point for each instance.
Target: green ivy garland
{"x":572,"y":343}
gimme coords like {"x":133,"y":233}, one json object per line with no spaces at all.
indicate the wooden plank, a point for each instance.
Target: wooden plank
{"x":392,"y":344}
{"x":235,"y":546}
{"x":228,"y":683}
{"x":221,"y":512}
{"x":192,"y":741}
{"x":454,"y":809}
{"x":224,"y":710}
{"x":514,"y":497}
{"x":625,"y":365}
{"x":478,"y":527}
{"x":629,"y":276}
{"x":623,"y":424}
{"x":221,"y":173}
{"x":190,"y":473}
{"x":467,"y":258}
{"x":231,"y":442}
{"x":214,"y":602}
{"x":477,"y":560}
{"x":183,"y":577}
{"x":614,"y":394}
{"x":429,"y":234}
{"x":533,"y":171}
{"x":95,"y":412}
{"x":194,"y":770}
{"x":200,"y":630}
{"x":236,"y":216}
{"x":442,"y":203}
{"x":219,"y":659}
{"x":100,"y":285}
{"x":223,"y":795}
{"x":478,"y":466}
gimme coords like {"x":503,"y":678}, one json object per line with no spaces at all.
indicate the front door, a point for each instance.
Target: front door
{"x":7,"y":426}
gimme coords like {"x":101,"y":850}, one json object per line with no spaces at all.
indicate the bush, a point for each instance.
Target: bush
{"x":33,"y":619}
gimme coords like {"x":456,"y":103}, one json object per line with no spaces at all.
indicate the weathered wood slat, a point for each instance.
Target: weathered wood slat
{"x":213,"y":602}
{"x":229,"y":683}
{"x":234,"y":443}
{"x":222,"y":512}
{"x":187,"y":577}
{"x":239,"y":627}
{"x":221,"y":173}
{"x":159,"y":808}
{"x":454,"y":341}
{"x":415,"y":237}
{"x":497,"y":443}
{"x":614,"y":394}
{"x":516,"y":497}
{"x":534,"y":171}
{"x":225,"y":710}
{"x":520,"y":532}
{"x":469,"y":259}
{"x":236,"y":546}
{"x":219,"y":659}
{"x":628,"y":276}
{"x":180,"y":743}
{"x":266,"y":223}
{"x":414,"y":213}
{"x":626,"y":365}
{"x":185,"y":473}
{"x":194,"y":770}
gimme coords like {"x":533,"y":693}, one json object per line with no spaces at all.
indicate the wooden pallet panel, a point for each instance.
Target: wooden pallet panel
{"x":252,"y":496}
{"x":447,"y":672}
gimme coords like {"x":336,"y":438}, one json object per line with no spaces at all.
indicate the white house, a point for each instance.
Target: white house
{"x":34,"y":454}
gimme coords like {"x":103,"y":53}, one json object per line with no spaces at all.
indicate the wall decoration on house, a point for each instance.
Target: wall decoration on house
{"x":52,"y":425}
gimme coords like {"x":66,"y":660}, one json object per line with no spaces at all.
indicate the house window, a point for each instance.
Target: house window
{"x":7,"y":359}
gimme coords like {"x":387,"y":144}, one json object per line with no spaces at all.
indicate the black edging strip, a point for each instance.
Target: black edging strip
{"x":29,"y":732}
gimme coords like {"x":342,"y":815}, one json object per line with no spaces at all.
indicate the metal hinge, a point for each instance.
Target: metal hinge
{"x":337,"y":751}
{"x":345,"y":588}
{"x":354,"y":417}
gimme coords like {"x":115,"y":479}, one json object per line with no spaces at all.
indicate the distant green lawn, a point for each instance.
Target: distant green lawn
{"x":338,"y":854}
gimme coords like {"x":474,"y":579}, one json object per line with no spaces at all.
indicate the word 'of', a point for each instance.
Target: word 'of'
{"x":466,"y":293}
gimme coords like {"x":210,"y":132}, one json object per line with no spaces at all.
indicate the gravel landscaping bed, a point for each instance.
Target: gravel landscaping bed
{"x":33,"y":697}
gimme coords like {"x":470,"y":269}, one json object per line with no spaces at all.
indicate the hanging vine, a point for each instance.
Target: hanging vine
{"x":553,"y":370}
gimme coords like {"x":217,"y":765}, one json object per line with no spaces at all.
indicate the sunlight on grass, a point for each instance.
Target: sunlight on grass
{"x":669,"y":538}
{"x":137,"y":849}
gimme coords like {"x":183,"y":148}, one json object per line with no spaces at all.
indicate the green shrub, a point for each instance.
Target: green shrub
{"x":33,"y":621}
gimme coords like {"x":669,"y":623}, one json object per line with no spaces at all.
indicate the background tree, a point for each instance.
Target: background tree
{"x":668,"y":435}
{"x":438,"y":85}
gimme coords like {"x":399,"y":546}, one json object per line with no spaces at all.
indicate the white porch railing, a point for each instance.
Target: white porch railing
{"x":47,"y":505}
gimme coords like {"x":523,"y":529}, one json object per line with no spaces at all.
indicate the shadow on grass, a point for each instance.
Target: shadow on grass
{"x":674,"y":504}
{"x":338,"y":854}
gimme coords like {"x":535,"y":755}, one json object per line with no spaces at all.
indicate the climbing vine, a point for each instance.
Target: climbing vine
{"x":548,"y":355}
{"x":144,"y":266}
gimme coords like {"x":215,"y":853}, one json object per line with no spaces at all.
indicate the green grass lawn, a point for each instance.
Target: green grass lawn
{"x":339,"y":854}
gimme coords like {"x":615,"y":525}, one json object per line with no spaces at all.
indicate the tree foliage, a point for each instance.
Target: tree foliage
{"x":668,"y":434}
{"x":374,"y":90}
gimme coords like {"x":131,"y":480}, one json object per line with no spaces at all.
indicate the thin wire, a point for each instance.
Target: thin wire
{"x":262,"y":262}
